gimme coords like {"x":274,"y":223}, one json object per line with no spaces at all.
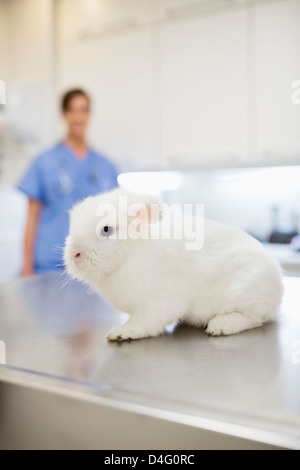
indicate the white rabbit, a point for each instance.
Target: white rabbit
{"x":230,"y":285}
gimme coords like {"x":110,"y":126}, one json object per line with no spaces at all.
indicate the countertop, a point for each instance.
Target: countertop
{"x":286,"y":256}
{"x":53,"y":341}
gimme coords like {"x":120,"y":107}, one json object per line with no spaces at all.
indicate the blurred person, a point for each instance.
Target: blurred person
{"x":56,"y":180}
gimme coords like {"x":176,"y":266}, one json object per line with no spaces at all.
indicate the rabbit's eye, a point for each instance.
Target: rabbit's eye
{"x":106,"y":231}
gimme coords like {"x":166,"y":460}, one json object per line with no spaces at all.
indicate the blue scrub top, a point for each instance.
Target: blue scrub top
{"x":58,"y":179}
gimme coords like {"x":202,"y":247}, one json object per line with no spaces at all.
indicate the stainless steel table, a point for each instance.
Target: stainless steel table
{"x":64,"y":386}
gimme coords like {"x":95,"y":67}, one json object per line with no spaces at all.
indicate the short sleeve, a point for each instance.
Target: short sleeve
{"x":32,"y":182}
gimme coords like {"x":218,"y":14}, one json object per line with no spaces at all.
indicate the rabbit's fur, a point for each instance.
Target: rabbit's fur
{"x":230,"y":285}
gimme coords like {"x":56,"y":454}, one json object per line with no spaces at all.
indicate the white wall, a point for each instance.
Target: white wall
{"x":13,"y":209}
{"x":27,"y":52}
{"x":30,"y":34}
{"x":27,"y":125}
{"x":3,"y":40}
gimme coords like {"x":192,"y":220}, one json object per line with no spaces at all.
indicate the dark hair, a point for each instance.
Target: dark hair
{"x":69,"y":95}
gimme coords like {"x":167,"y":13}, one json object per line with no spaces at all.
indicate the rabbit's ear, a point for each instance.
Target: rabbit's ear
{"x":146,"y":213}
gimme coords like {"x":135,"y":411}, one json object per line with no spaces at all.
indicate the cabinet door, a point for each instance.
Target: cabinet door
{"x":90,"y":17}
{"x":277,"y":33}
{"x":180,"y":8}
{"x":204,"y":90}
{"x":116,"y":70}
{"x":104,"y":50}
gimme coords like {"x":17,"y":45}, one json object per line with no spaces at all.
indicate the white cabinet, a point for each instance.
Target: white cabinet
{"x":186,"y":83}
{"x":204,"y":90}
{"x":277,"y":66}
{"x":117,"y":72}
{"x":96,"y":17}
{"x":3,"y":41}
{"x":170,"y":89}
{"x":181,"y":8}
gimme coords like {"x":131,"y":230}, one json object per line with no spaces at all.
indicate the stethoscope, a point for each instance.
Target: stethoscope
{"x":65,"y":183}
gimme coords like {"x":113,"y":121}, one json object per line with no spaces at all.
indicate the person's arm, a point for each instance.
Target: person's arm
{"x":34,"y":210}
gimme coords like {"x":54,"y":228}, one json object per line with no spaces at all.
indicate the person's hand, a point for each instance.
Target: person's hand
{"x":27,"y":271}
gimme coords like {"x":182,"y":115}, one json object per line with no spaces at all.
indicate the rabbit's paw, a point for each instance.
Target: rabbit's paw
{"x":218,"y":326}
{"x":125,"y":333}
{"x":229,"y":324}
